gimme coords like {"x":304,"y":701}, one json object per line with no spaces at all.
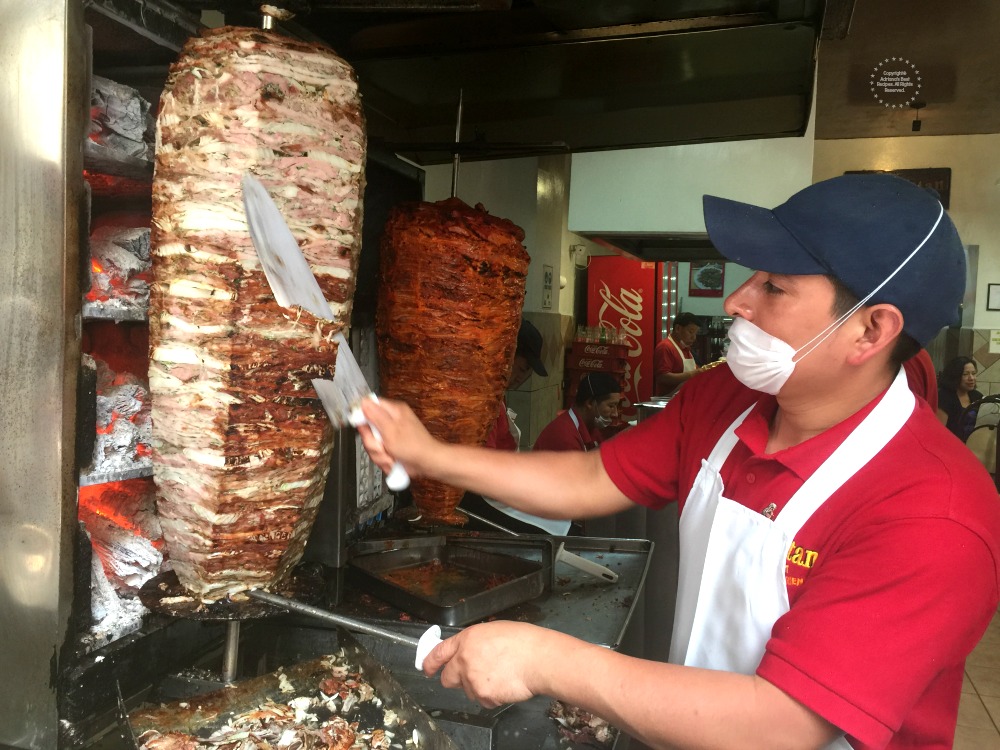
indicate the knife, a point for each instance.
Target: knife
{"x":562,"y":554}
{"x":294,"y":284}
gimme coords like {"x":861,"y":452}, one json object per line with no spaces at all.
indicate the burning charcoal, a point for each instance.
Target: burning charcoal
{"x":124,"y":428}
{"x":120,"y":266}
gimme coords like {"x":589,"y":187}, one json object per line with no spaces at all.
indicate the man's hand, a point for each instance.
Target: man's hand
{"x":404,"y":438}
{"x":493,"y":662}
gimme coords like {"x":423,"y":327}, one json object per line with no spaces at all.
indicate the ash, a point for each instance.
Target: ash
{"x":124,"y":426}
{"x":120,"y":267}
{"x":120,"y":119}
{"x":112,"y":616}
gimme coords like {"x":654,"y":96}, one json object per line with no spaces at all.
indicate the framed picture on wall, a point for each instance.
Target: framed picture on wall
{"x":707,"y":278}
{"x":993,"y":296}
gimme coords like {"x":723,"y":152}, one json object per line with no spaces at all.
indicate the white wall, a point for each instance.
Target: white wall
{"x":660,"y":189}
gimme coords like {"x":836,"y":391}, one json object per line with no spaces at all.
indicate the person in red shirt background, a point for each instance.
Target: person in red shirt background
{"x":594,"y":407}
{"x":673,"y":362}
{"x":505,"y":435}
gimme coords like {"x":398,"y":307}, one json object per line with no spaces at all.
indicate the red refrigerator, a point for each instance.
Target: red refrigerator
{"x":624,"y":294}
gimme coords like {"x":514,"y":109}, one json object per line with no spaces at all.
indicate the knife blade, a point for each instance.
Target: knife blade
{"x":294,"y":284}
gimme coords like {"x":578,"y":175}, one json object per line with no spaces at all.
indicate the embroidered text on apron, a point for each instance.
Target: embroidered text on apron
{"x":731,"y":585}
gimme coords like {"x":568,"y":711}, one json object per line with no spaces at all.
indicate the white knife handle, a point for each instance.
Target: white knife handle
{"x":587,"y":566}
{"x":426,"y":644}
{"x":397,"y":479}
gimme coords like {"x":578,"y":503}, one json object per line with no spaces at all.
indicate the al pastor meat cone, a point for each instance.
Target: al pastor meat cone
{"x":449,"y":308}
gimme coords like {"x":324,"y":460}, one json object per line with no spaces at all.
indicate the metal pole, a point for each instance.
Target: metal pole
{"x":322,"y":614}
{"x":232,"y":651}
{"x":455,"y":159}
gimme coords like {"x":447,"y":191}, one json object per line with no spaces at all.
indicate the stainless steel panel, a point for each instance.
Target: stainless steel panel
{"x":43,"y":79}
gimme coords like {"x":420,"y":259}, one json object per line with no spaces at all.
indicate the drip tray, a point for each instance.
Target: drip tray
{"x":448,"y":582}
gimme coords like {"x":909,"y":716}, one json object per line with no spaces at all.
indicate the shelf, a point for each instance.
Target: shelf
{"x":116,"y":476}
{"x":116,"y":313}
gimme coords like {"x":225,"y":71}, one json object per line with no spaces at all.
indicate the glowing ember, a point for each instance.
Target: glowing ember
{"x":124,"y":428}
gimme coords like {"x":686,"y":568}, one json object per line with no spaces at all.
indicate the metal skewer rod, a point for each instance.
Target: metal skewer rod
{"x":232,"y":651}
{"x":322,"y":614}
{"x":455,"y":159}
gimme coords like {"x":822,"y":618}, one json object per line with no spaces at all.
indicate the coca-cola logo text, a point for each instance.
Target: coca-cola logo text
{"x":596,"y":349}
{"x":627,"y":307}
{"x":591,"y":364}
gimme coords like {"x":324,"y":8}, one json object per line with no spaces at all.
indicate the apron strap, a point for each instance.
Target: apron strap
{"x":861,"y":446}
{"x":727,"y":442}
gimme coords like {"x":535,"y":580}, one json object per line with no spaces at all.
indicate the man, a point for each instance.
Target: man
{"x":673,"y":362}
{"x":505,"y":435}
{"x":595,"y":407}
{"x":839,"y":550}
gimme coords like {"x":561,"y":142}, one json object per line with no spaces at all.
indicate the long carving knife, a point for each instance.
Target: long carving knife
{"x":294,"y":285}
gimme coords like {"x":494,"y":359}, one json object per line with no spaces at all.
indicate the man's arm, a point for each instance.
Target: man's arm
{"x":547,"y":484}
{"x":663,"y":705}
{"x":666,"y":382}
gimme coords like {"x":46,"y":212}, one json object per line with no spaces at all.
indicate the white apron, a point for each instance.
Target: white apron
{"x":731,"y":585}
{"x":576,"y":423}
{"x":688,"y":363}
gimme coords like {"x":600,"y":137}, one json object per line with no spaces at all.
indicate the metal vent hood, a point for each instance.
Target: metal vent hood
{"x":550,"y":76}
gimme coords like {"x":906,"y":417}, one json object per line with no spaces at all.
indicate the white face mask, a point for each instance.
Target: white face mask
{"x":758,"y":360}
{"x":602,"y":422}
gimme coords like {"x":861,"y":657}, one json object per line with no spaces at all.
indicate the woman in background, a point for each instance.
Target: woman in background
{"x":957,"y":391}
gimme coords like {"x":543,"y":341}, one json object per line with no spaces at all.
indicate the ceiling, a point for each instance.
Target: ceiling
{"x":530,"y":77}
{"x":550,"y":76}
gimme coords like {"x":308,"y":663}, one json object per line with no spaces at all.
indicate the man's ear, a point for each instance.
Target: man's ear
{"x":883,"y":325}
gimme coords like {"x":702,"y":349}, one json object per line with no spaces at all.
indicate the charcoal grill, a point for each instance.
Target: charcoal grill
{"x":58,"y":692}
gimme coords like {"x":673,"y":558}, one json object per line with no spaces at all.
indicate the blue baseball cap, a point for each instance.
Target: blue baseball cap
{"x":858,"y":228}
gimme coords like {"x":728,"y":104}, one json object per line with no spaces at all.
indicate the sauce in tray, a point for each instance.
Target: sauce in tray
{"x":437,"y":580}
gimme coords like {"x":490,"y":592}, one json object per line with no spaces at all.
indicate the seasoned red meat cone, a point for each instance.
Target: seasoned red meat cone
{"x":240,"y":452}
{"x":449,"y":308}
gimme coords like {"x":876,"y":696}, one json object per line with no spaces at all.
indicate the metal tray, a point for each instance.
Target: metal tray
{"x":449,"y":583}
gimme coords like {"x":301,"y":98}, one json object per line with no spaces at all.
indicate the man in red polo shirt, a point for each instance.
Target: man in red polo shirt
{"x":673,"y":362}
{"x":594,"y":407}
{"x":839,"y":549}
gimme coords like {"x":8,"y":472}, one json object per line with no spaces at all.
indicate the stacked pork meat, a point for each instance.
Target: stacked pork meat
{"x":452,"y":288}
{"x":241,"y":449}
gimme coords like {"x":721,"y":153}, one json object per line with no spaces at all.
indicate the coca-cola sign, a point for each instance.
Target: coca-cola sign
{"x":599,"y":349}
{"x":622,"y":297}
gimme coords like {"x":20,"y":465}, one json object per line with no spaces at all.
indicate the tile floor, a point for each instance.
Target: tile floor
{"x":979,"y":711}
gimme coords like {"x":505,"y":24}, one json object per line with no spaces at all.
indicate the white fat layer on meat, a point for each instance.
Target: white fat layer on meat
{"x":215,"y":218}
{"x":338,"y":161}
{"x":286,"y":486}
{"x":216,"y":519}
{"x":297,"y":128}
{"x":168,"y":249}
{"x":197,"y":290}
{"x":208,"y":458}
{"x":179,"y":354}
{"x":308,"y":68}
{"x":183,"y":325}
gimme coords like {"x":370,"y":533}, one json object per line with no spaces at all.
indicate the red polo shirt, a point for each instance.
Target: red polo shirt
{"x":562,"y":435}
{"x":891,"y":582}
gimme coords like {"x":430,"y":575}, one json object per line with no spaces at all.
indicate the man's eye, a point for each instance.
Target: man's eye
{"x":771,"y":288}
